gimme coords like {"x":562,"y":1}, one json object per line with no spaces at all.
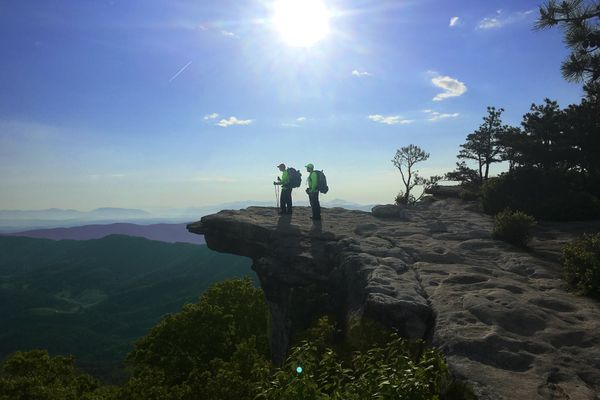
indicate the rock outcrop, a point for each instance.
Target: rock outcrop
{"x":503,"y":316}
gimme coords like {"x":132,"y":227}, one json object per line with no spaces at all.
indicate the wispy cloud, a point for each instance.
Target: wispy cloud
{"x":501,"y":19}
{"x":180,"y":71}
{"x":296,"y":123}
{"x":390,"y":120}
{"x":436,"y":116}
{"x":360,"y":73}
{"x":229,"y":34}
{"x":233,"y":121}
{"x":452,"y":87}
{"x":211,"y":116}
{"x":454,"y":21}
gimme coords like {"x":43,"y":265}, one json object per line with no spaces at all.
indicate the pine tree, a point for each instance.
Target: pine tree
{"x":482,"y":145}
{"x":579,"y":20}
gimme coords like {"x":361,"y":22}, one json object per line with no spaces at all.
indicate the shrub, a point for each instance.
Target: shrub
{"x":468,"y":195}
{"x":389,"y":372}
{"x":545,"y":194}
{"x":581,"y":261}
{"x":513,"y":227}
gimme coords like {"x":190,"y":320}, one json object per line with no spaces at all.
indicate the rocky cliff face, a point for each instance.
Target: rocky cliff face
{"x":503,"y":316}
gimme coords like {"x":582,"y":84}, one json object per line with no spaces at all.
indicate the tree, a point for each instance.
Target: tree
{"x":580,"y":21}
{"x":555,"y":138}
{"x":405,"y":160}
{"x":482,"y":145}
{"x":215,"y":349}
{"x":463,"y":174}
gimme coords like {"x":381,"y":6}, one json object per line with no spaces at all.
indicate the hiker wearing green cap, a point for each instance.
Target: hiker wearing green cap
{"x":285,"y":202}
{"x":313,"y":192}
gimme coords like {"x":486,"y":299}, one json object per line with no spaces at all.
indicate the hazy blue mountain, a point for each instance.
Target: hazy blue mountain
{"x":94,"y":298}
{"x":24,"y":220}
{"x":169,"y":233}
{"x":60,"y":214}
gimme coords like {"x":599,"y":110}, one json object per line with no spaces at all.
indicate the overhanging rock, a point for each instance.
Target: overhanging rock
{"x":502,"y":316}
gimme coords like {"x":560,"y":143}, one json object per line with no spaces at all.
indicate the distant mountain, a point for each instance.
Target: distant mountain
{"x":26,"y":220}
{"x":169,"y":233}
{"x":94,"y":298}
{"x":60,"y":214}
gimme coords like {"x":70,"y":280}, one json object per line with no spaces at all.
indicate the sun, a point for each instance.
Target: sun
{"x":301,"y":23}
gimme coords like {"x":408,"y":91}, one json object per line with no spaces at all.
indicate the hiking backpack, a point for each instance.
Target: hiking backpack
{"x":295,"y":177}
{"x":322,"y":182}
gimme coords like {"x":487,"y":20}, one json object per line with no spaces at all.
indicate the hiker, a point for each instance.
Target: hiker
{"x":313,"y":192}
{"x":285,"y":201}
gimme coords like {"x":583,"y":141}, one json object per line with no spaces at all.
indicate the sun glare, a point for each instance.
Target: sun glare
{"x":301,"y":23}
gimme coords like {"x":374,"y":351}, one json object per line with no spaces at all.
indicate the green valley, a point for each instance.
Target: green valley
{"x":94,"y":298}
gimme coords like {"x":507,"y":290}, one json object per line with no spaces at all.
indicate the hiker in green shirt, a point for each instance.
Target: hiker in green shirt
{"x":285,"y":201}
{"x":313,"y":192}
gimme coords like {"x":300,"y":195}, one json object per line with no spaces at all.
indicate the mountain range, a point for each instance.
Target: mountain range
{"x":169,"y":233}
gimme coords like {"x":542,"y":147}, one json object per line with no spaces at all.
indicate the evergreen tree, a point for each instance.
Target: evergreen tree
{"x":580,"y":21}
{"x":482,"y":145}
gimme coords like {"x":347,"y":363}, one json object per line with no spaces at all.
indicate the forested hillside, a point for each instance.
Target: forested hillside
{"x":93,"y":298}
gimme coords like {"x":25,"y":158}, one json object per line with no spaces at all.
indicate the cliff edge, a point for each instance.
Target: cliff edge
{"x":504,"y":318}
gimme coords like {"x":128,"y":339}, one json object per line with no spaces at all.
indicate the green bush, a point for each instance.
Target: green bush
{"x":389,"y":372}
{"x":513,"y":227}
{"x":545,"y":194}
{"x":582,"y":264}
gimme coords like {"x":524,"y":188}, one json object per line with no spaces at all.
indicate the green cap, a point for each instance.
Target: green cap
{"x":309,"y":165}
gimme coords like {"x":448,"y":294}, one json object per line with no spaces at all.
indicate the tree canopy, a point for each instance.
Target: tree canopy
{"x":580,"y":21}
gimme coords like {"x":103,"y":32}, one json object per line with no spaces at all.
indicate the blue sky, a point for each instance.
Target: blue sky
{"x":178,"y":103}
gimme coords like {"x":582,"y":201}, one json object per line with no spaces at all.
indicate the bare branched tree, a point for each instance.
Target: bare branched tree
{"x":405,"y":160}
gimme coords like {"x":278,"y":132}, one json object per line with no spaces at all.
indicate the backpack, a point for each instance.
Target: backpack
{"x":322,"y":182}
{"x":295,"y":177}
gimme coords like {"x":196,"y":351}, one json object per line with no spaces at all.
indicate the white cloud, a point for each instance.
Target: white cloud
{"x":300,"y":119}
{"x":224,"y":123}
{"x":211,"y":116}
{"x":229,"y":34}
{"x":502,"y":19}
{"x":452,"y":87}
{"x":436,"y":116}
{"x":489,"y":23}
{"x":454,"y":21}
{"x":390,"y":120}
{"x":360,"y":73}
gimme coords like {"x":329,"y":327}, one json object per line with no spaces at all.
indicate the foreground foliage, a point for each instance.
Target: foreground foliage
{"x":217,"y":349}
{"x":582,"y":264}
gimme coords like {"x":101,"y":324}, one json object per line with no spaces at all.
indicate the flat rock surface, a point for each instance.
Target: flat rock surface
{"x":506,"y":321}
